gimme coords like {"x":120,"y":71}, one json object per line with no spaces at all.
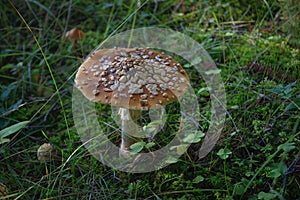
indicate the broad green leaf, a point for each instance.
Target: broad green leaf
{"x":194,"y":137}
{"x":149,"y":130}
{"x":287,"y":146}
{"x":171,"y":160}
{"x":266,"y":196}
{"x":275,"y":173}
{"x":278,"y":170}
{"x":189,"y":138}
{"x":224,"y":153}
{"x":198,"y":179}
{"x":149,"y":145}
{"x":198,"y":136}
{"x":12,"y":129}
{"x":137,"y":147}
{"x":4,"y":140}
{"x":152,"y":127}
{"x":238,"y":189}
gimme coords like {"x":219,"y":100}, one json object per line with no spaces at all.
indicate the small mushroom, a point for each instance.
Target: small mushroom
{"x":141,"y":86}
{"x":3,"y":190}
{"x":46,"y":152}
{"x":75,"y":34}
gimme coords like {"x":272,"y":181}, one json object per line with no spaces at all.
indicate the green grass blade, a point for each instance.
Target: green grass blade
{"x":47,"y":64}
{"x":12,"y":129}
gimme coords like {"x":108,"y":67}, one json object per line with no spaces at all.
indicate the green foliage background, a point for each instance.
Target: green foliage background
{"x":254,"y":43}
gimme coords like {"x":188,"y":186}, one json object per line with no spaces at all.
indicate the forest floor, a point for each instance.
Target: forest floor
{"x":255,"y":49}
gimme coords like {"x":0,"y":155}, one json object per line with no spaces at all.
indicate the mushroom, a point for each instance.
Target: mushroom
{"x":46,"y":152}
{"x":134,"y":80}
{"x":75,"y":34}
{"x":3,"y":190}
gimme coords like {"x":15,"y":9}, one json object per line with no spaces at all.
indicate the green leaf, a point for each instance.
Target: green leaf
{"x":12,"y":129}
{"x":230,"y":34}
{"x":266,"y":196}
{"x":171,"y":160}
{"x":149,"y":130}
{"x":286,"y":147}
{"x":198,"y":136}
{"x":181,"y":149}
{"x":6,"y":67}
{"x":278,"y":170}
{"x":149,"y":145}
{"x":196,"y":60}
{"x":8,"y":90}
{"x":204,"y":91}
{"x":224,"y":153}
{"x":4,"y":140}
{"x":155,"y":123}
{"x":189,"y":138}
{"x":235,"y":107}
{"x":238,"y":189}
{"x":16,"y":105}
{"x":249,"y":173}
{"x":275,"y":173}
{"x":194,"y":137}
{"x":212,"y":72}
{"x":152,"y":127}
{"x":137,"y":147}
{"x":293,"y":105}
{"x":233,"y":133}
{"x":198,"y":179}
{"x":219,"y":48}
{"x":187,"y":66}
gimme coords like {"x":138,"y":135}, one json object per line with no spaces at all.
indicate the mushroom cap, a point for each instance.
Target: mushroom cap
{"x":45,"y":152}
{"x":75,"y":34}
{"x":132,"y":78}
{"x":3,"y":190}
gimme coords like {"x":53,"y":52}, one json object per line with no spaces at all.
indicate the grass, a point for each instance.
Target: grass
{"x":259,"y":64}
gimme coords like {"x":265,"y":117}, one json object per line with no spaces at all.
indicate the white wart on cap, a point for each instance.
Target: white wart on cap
{"x":132,"y":78}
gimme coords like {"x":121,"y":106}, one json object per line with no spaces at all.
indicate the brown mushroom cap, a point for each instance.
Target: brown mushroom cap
{"x":132,"y":78}
{"x":75,"y":34}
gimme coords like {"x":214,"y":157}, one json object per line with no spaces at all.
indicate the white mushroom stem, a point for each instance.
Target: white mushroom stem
{"x":129,"y":128}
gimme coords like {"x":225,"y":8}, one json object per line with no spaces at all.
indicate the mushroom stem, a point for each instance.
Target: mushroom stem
{"x":129,"y":128}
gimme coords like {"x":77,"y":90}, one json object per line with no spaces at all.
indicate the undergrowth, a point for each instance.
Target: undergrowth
{"x":255,"y":157}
